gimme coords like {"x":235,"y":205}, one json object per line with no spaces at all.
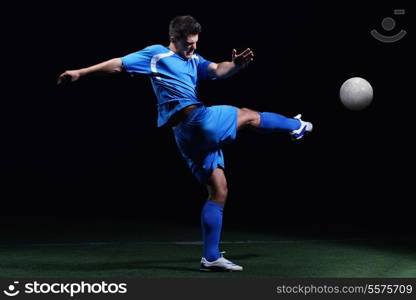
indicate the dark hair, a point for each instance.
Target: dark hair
{"x":182,"y":26}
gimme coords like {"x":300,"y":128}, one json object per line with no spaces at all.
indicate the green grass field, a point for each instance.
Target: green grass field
{"x":173,"y":251}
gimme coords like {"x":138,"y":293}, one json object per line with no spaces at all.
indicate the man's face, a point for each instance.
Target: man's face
{"x":186,"y":46}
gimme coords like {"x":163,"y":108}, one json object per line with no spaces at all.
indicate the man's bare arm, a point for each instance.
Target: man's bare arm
{"x":111,"y":66}
{"x":229,"y":68}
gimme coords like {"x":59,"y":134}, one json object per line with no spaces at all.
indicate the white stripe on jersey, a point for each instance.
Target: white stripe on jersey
{"x":156,"y":58}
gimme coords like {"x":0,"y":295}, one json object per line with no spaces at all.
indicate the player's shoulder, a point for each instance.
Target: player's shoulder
{"x":156,"y":49}
{"x":198,"y":58}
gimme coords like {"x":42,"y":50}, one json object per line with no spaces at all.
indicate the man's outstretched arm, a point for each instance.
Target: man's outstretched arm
{"x":229,"y":68}
{"x":111,"y":66}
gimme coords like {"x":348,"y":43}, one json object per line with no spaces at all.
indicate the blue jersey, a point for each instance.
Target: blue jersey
{"x":174,"y":79}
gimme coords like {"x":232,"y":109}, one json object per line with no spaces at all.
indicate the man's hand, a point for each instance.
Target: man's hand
{"x":229,"y":68}
{"x":68,"y":77}
{"x":243,"y":59}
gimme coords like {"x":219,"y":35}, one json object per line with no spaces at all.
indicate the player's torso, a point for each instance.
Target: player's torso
{"x":170,"y":68}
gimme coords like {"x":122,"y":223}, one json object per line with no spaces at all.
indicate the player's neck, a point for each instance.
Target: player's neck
{"x":172,"y":47}
{"x":175,"y":50}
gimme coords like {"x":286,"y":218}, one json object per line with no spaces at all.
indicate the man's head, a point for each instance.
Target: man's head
{"x":183,"y":33}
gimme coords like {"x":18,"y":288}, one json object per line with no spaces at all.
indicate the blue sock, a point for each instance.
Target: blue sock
{"x":211,"y":222}
{"x":270,"y":122}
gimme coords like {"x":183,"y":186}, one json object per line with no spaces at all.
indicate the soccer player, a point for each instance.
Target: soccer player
{"x":199,"y":131}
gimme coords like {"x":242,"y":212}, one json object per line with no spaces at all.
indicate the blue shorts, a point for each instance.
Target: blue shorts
{"x":201,"y":136}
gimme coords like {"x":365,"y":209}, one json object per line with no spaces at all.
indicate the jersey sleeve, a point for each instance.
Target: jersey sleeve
{"x":138,"y":62}
{"x":203,"y":68}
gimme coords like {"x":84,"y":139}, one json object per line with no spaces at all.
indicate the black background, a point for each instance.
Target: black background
{"x":93,"y":149}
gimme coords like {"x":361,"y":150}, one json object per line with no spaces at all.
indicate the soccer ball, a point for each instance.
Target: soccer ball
{"x":356,"y":93}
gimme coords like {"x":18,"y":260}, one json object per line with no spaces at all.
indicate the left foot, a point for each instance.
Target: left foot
{"x":221,"y":264}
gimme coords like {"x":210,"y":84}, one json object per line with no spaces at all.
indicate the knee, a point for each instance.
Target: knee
{"x":248,"y":117}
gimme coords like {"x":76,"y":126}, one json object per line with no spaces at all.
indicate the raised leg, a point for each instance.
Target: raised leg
{"x":272,"y":122}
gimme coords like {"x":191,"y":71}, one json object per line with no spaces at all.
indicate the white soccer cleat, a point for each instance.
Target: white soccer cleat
{"x":221,"y":264}
{"x":304,"y":128}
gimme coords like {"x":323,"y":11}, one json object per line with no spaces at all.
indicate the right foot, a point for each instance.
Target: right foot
{"x":304,"y":128}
